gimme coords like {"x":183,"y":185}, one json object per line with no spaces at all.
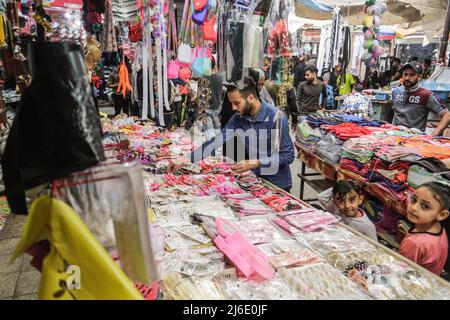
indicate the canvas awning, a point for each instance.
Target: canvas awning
{"x":429,"y":15}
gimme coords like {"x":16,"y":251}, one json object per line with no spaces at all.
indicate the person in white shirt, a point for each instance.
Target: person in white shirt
{"x":357,"y":103}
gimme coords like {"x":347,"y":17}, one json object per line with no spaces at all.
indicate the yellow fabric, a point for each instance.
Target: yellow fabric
{"x":71,"y":243}
{"x":346,"y":87}
{"x":2,"y":31}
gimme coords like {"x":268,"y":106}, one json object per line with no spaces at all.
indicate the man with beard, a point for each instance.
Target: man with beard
{"x":412,"y":103}
{"x":265,"y":134}
{"x":309,"y":91}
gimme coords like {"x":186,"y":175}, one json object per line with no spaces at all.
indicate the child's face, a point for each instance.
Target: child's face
{"x":349,"y":204}
{"x":424,"y":208}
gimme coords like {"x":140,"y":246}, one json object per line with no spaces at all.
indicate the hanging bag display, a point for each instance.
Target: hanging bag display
{"x":198,"y":67}
{"x":184,"y":54}
{"x":173,"y":70}
{"x":209,"y":32}
{"x":199,"y":5}
{"x":206,"y":66}
{"x":199,"y":17}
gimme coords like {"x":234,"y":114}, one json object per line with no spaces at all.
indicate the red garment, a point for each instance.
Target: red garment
{"x":400,"y":178}
{"x":427,"y":250}
{"x":348,"y":130}
{"x":39,"y":251}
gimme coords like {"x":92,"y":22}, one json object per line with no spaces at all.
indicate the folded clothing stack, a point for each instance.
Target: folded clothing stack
{"x":307,"y":136}
{"x":329,"y":148}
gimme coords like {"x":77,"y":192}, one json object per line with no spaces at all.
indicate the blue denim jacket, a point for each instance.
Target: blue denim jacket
{"x":259,"y":136}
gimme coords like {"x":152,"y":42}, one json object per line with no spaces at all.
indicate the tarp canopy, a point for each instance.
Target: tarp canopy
{"x":416,"y":15}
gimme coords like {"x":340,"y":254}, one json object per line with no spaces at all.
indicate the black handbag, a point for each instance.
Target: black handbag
{"x":56,"y":130}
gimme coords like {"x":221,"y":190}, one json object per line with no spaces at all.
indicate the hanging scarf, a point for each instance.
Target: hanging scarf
{"x":347,"y":51}
{"x":109,"y":43}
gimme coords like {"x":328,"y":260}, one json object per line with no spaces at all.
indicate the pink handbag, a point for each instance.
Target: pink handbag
{"x":173,"y":70}
{"x":249,"y":260}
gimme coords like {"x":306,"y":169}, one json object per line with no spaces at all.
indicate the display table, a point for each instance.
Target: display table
{"x":221,"y":235}
{"x":322,"y":167}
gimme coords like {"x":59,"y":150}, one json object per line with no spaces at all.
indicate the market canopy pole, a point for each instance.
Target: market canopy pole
{"x":444,"y":41}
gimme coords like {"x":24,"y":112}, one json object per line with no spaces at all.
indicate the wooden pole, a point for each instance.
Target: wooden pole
{"x":444,"y":40}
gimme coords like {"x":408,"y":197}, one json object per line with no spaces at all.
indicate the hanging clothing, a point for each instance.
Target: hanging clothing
{"x":236,"y":47}
{"x":109,"y":42}
{"x":2,"y":31}
{"x":72,"y":244}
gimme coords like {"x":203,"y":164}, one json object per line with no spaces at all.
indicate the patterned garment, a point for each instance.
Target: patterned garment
{"x":411,"y":109}
{"x":357,"y":103}
{"x":124,"y":10}
{"x":109,"y":43}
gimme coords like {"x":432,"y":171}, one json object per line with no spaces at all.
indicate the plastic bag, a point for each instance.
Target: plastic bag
{"x":56,"y":130}
{"x":184,"y":53}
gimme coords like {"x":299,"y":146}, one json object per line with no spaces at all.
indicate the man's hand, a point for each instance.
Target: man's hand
{"x":294,"y":127}
{"x":177,"y":164}
{"x":245,"y":165}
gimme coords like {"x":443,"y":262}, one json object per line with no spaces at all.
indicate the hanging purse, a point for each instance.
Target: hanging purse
{"x":209,"y":32}
{"x":199,"y":5}
{"x":173,"y":70}
{"x":206,"y":66}
{"x":184,"y":53}
{"x":199,"y":16}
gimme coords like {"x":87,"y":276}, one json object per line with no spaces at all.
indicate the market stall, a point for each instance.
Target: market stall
{"x":377,"y":156}
{"x":287,"y":249}
{"x":117,"y":209}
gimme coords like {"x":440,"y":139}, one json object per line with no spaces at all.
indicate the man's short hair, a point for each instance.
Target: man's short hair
{"x":358,"y":87}
{"x":248,"y":88}
{"x":312,"y":69}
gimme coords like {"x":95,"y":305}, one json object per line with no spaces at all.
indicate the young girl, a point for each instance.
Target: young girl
{"x":427,"y":243}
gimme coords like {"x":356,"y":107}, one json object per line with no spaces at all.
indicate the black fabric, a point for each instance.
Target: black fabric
{"x":236,"y":41}
{"x":299,"y":73}
{"x":56,"y":130}
{"x":216,"y":87}
{"x":346,"y":53}
{"x":227,"y":111}
{"x":292,"y":105}
{"x":121,"y":104}
{"x":263,"y":7}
